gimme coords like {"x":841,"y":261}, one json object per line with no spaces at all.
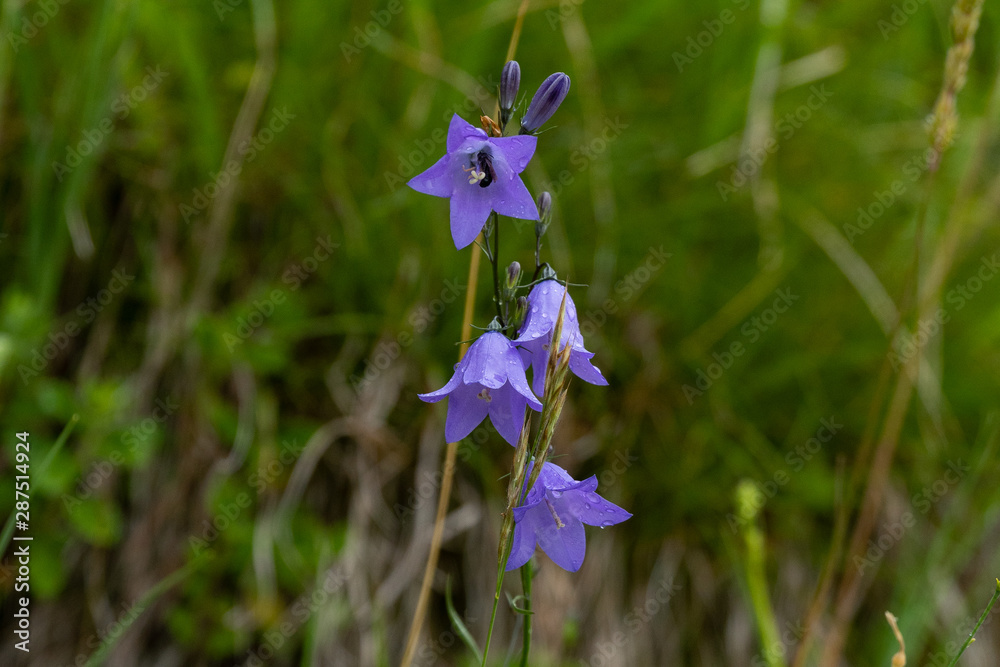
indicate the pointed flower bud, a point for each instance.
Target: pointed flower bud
{"x":513,"y":275}
{"x":547,"y":99}
{"x":544,"y":214}
{"x":510,"y":81}
{"x":520,"y":310}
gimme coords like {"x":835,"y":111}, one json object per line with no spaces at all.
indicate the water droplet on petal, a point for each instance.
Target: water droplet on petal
{"x":593,"y":497}
{"x":587,"y":505}
{"x":605,"y":524}
{"x":556,"y":493}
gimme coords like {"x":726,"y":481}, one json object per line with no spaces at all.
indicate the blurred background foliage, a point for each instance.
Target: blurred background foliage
{"x":251,"y":478}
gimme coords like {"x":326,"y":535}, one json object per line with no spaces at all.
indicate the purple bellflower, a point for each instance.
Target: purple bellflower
{"x":480,"y":174}
{"x":536,"y":336}
{"x":553,"y":515}
{"x":489,"y":380}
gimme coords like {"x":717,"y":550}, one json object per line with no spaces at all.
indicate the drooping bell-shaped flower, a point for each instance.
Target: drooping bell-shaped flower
{"x":547,"y":99}
{"x":536,"y":335}
{"x":480,"y":174}
{"x":553,"y":515}
{"x":489,"y":380}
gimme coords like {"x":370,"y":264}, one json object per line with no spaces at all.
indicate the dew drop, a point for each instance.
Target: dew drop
{"x":605,"y":524}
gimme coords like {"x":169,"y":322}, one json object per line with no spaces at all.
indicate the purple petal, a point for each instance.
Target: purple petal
{"x":517,"y":379}
{"x":507,"y":413}
{"x":465,"y":412}
{"x":486,"y":360}
{"x":453,"y":383}
{"x":522,"y":545}
{"x":580,"y":364}
{"x":543,"y":310}
{"x":470,"y":206}
{"x":517,"y":150}
{"x":459,"y":131}
{"x":556,"y":477}
{"x":539,"y":368}
{"x":566,"y":546}
{"x":439,"y":180}
{"x":594,"y":510}
{"x":511,"y":198}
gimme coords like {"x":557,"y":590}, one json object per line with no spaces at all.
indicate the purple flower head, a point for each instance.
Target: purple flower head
{"x":553,"y":515}
{"x":489,"y":380}
{"x":547,"y":99}
{"x":480,"y":174}
{"x":536,"y":335}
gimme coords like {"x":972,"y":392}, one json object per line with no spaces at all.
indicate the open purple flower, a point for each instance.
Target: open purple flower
{"x":480,"y":174}
{"x":553,"y":515}
{"x":489,"y":380}
{"x":536,"y":335}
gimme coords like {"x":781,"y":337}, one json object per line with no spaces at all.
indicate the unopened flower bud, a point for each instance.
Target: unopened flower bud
{"x":520,"y":310}
{"x":547,"y":99}
{"x":510,"y":81}
{"x":513,"y":275}
{"x":544,"y":214}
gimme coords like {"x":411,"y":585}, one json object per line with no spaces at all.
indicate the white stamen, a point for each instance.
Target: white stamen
{"x":474,"y":176}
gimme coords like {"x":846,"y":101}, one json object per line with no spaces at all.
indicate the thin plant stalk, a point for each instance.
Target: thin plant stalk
{"x":448,"y":471}
{"x":446,"y":477}
{"x":526,"y":571}
{"x":972,"y":635}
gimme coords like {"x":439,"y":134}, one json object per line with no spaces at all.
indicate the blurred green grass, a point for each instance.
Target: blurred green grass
{"x":331,"y":173}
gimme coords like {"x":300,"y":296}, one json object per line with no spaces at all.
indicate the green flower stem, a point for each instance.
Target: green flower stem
{"x":526,"y":585}
{"x":753,"y":537}
{"x":495,"y":260}
{"x":972,"y":635}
